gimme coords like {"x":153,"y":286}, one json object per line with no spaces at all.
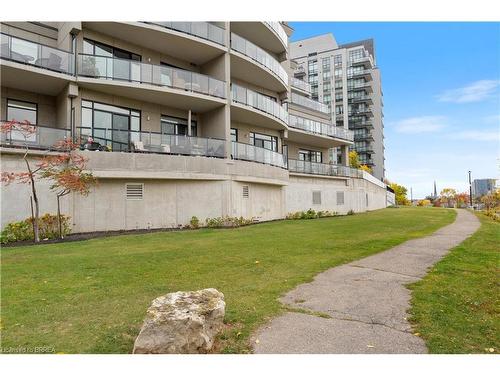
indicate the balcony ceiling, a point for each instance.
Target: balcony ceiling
{"x":170,"y":42}
{"x":302,"y":137}
{"x":260,"y":34}
{"x":154,"y":94}
{"x":248,"y":70}
{"x":30,"y":78}
{"x":248,"y":115}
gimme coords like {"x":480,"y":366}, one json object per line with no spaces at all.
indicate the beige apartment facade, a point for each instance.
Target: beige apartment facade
{"x":347,"y":79}
{"x":189,"y":118}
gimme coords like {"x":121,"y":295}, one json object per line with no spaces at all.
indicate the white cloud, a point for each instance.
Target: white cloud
{"x":422,"y":124}
{"x":478,"y":135}
{"x":474,"y":92}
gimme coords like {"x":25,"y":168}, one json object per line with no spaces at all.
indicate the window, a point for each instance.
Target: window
{"x":177,"y":126}
{"x":91,"y":47}
{"x":356,"y":54}
{"x":339,"y":109}
{"x":337,"y":60}
{"x":110,"y":125}
{"x":268,"y":142}
{"x":327,"y":86}
{"x":325,"y":62}
{"x":134,"y":191}
{"x":327,"y":75}
{"x":327,"y":98}
{"x":313,"y":67}
{"x":338,"y":84}
{"x":234,"y":135}
{"x":338,"y":72}
{"x":22,"y":111}
{"x":313,"y":79}
{"x":339,"y":96}
{"x":316,"y":197}
{"x":340,"y":198}
{"x":309,"y":155}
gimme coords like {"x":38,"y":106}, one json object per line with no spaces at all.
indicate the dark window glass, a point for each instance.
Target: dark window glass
{"x":234,"y":135}
{"x":21,"y":111}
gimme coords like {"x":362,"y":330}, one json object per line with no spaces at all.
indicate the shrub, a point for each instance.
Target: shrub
{"x":350,"y":212}
{"x":309,"y":214}
{"x":227,"y":222}
{"x":194,"y":222}
{"x":23,"y":230}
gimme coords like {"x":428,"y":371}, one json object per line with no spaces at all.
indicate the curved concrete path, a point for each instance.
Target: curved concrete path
{"x":366,"y":300}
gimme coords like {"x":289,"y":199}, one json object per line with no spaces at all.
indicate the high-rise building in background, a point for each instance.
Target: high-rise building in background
{"x":482,"y":187}
{"x":347,"y":80}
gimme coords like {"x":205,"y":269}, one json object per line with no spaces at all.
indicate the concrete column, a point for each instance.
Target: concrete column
{"x":227,"y":75}
{"x":345,"y":155}
{"x":189,"y":122}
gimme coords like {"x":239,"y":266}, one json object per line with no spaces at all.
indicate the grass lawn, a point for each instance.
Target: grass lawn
{"x":91,"y":296}
{"x":456,"y":307}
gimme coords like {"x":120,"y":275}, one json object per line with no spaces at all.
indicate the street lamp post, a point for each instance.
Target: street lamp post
{"x":470,"y":189}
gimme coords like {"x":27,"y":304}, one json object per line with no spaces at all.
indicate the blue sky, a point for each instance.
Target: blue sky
{"x":441,"y":84}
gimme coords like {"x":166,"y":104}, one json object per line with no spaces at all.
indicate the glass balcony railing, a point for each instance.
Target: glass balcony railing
{"x":317,"y":127}
{"x":42,"y":137}
{"x":309,"y":103}
{"x":278,"y":29}
{"x":159,"y":75}
{"x":364,"y":149}
{"x":156,"y":142}
{"x":244,"y":151}
{"x":204,"y":30}
{"x":300,"y":84}
{"x":308,"y":167}
{"x":259,"y":55}
{"x":36,"y":54}
{"x":258,"y":101}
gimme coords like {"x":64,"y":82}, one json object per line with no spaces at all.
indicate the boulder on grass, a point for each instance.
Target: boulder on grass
{"x":182,"y":322}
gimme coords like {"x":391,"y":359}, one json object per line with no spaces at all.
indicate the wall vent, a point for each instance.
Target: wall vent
{"x":340,"y":198}
{"x":316,"y":197}
{"x":135,"y":191}
{"x":245,"y":191}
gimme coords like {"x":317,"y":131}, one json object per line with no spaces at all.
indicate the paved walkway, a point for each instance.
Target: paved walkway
{"x":366,"y":300}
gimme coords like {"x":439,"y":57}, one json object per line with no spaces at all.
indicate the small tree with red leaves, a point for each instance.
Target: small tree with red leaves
{"x":66,"y":169}
{"x":67,"y":172}
{"x":26,"y":130}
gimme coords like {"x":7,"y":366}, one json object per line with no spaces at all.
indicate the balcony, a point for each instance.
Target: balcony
{"x":265,"y":112}
{"x":44,"y":137}
{"x":136,"y":79}
{"x":318,"y":128}
{"x":299,"y":71}
{"x":278,"y":29}
{"x":360,"y":99}
{"x":243,"y":67}
{"x":46,"y":68}
{"x":310,"y":104}
{"x":267,"y":35}
{"x":360,"y":124}
{"x":367,"y":111}
{"x":244,"y":151}
{"x":300,"y":84}
{"x":365,"y":60}
{"x":322,"y":169}
{"x":202,"y":30}
{"x":363,"y":73}
{"x":363,"y":137}
{"x":154,"y":142}
{"x":196,"y":42}
{"x":364,"y":149}
{"x":366,"y":86}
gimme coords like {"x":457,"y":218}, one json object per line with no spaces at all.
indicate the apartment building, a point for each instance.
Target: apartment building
{"x":483,"y":186}
{"x":347,"y":80}
{"x":176,"y":119}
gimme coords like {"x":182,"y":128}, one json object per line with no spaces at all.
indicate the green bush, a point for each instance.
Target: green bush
{"x":227,"y":222}
{"x":23,"y":230}
{"x":194,"y":222}
{"x":310,"y":214}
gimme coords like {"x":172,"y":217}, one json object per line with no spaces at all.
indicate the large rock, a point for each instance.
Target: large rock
{"x":182,"y":322}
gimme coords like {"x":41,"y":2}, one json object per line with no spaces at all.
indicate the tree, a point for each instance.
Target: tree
{"x":67,"y":172}
{"x":66,"y":169}
{"x":462,"y":199}
{"x":25,"y":129}
{"x":365,"y":168}
{"x":424,"y":203}
{"x":491,"y":200}
{"x":400,"y":193}
{"x":353,"y":159}
{"x":447,"y":196}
